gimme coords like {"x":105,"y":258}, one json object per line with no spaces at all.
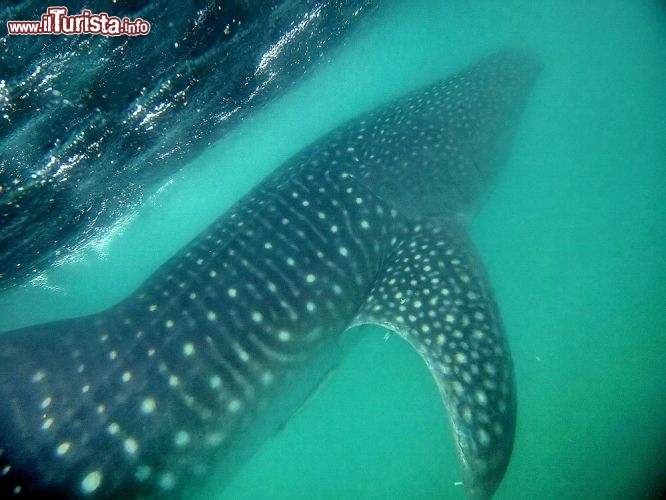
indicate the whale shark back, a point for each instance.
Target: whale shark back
{"x":436,"y":151}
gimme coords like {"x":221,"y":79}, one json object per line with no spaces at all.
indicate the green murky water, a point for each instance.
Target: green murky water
{"x":573,"y":237}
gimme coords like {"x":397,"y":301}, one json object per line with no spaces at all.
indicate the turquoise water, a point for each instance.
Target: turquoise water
{"x":573,"y":237}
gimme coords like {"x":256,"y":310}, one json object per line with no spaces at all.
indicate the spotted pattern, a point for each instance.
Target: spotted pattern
{"x":166,"y":380}
{"x":434,"y":293}
{"x":170,"y":379}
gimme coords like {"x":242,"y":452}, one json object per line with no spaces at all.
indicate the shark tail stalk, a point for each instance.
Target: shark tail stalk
{"x":225,"y":341}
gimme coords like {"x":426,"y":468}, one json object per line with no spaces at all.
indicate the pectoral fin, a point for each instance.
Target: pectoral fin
{"x":434,"y":293}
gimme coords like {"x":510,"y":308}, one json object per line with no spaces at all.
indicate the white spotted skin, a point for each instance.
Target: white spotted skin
{"x":473,"y":371}
{"x":171,"y":378}
{"x":184,"y":364}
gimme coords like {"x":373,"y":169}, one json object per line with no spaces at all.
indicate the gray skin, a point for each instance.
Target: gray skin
{"x":224,"y":341}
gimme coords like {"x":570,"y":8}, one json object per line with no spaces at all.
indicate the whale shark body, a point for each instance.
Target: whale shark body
{"x":365,"y":226}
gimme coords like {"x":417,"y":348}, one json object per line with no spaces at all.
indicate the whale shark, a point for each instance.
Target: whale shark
{"x":228,"y":338}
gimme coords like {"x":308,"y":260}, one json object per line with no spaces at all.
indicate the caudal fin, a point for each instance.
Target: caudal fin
{"x":434,"y":293}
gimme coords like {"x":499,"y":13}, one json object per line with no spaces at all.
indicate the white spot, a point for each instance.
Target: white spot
{"x":188,"y":349}
{"x":212,"y":274}
{"x":490,"y":384}
{"x":234,"y":405}
{"x":113,"y":428}
{"x":47,"y":423}
{"x":364,"y":224}
{"x":272,"y":287}
{"x":232,"y":292}
{"x":127,"y":376}
{"x":214,"y":439}
{"x":310,"y":278}
{"x":358,"y":200}
{"x":148,"y":405}
{"x":284,"y":336}
{"x":182,"y":438}
{"x":173,"y":380}
{"x":268,"y":245}
{"x":461,"y":357}
{"x":242,"y":354}
{"x":290,"y":261}
{"x":38,"y":376}
{"x":142,"y":472}
{"x":257,"y":317}
{"x":481,"y":397}
{"x":169,"y":323}
{"x":310,"y":306}
{"x":167,"y":481}
{"x":85,"y":388}
{"x":113,"y":355}
{"x":193,"y":296}
{"x":6,"y":470}
{"x":46,"y":402}
{"x":266,"y":378}
{"x":199,"y":261}
{"x":153,"y":308}
{"x":63,"y":448}
{"x":211,"y":315}
{"x":215,"y":382}
{"x":131,"y":446}
{"x":478,"y":334}
{"x":334,"y":228}
{"x":91,"y":481}
{"x":483,"y":437}
{"x":449,"y":318}
{"x":344,"y":252}
{"x":441,"y":339}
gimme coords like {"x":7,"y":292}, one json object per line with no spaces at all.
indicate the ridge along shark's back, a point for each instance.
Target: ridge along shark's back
{"x":220,"y":344}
